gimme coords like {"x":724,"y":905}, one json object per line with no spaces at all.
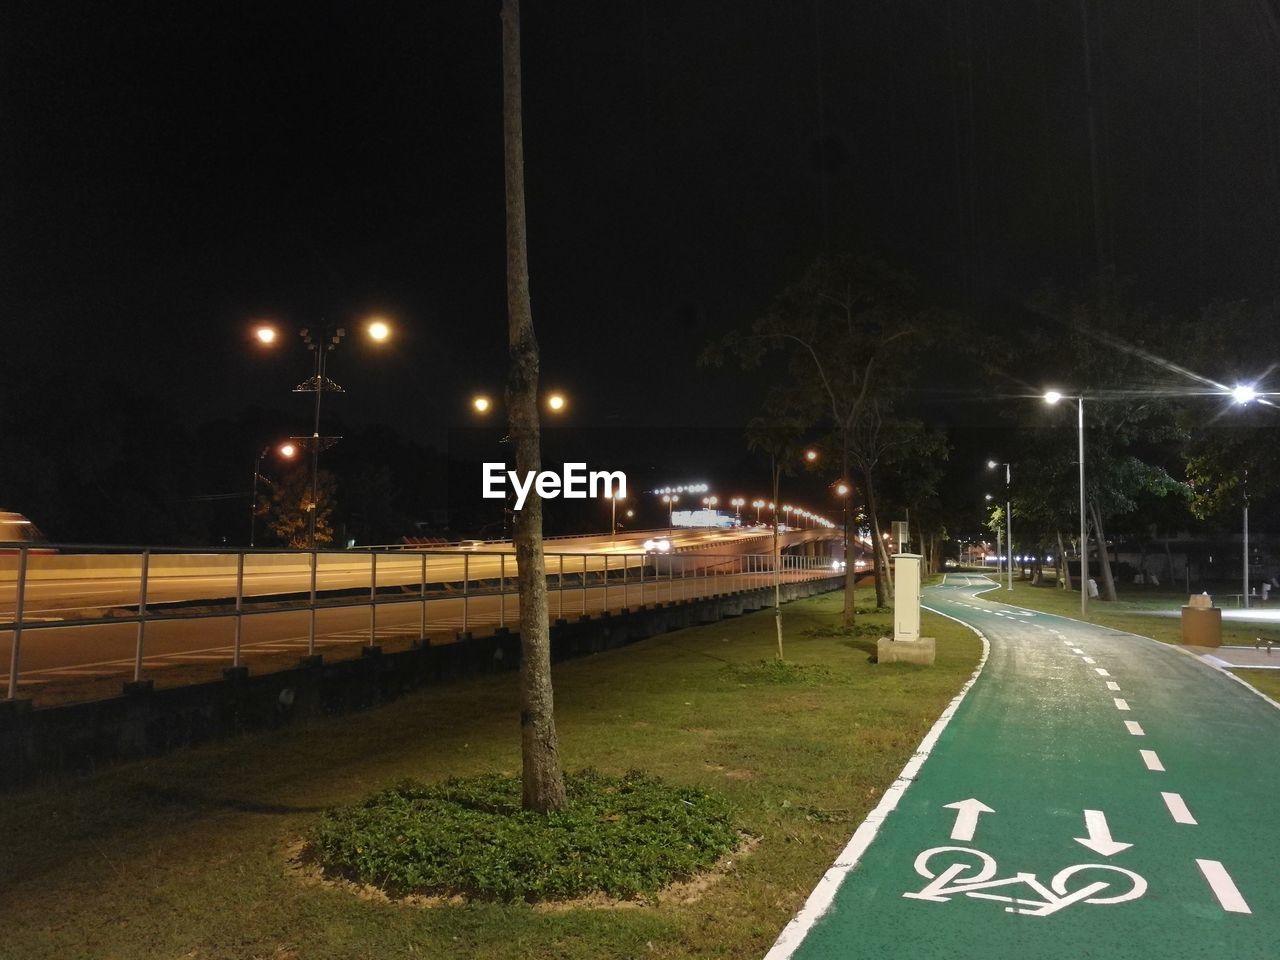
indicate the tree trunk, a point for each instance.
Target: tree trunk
{"x":1104,"y":558}
{"x":849,"y":614}
{"x":884,"y":583}
{"x":543,"y":782}
{"x":777,"y":559}
{"x":1064,"y":566}
{"x":1168,"y":563}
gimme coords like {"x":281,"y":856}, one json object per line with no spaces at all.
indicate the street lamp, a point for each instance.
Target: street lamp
{"x":737,"y":503}
{"x":671,"y":499}
{"x":757,"y":504}
{"x":321,"y":341}
{"x":811,"y":455}
{"x":1008,"y":512}
{"x":480,"y":403}
{"x":556,"y":402}
{"x":1052,"y":397}
{"x":286,"y":450}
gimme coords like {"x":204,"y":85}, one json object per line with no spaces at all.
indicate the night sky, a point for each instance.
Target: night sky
{"x":172,"y":172}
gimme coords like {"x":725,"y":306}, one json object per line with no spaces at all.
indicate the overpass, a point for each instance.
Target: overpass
{"x":74,"y":618}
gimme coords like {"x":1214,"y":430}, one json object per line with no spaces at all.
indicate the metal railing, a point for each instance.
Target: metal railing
{"x":92,"y":613}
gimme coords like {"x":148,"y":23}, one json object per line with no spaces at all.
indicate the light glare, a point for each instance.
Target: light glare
{"x":1244,"y":394}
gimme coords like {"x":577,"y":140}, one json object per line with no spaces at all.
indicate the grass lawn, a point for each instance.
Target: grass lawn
{"x":186,"y":856}
{"x":1268,"y":681}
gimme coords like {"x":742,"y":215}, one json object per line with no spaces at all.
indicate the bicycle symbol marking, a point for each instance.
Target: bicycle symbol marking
{"x":1065,"y":888}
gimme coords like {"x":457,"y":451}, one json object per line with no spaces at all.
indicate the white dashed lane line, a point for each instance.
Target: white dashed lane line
{"x":1135,"y":728}
{"x":1152,"y":761}
{"x":1178,"y":809}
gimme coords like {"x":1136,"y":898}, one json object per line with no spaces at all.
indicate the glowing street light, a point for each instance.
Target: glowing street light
{"x":481,"y":404}
{"x":671,"y":499}
{"x":737,"y":503}
{"x":320,"y":341}
{"x":556,"y":402}
{"x":757,"y":504}
{"x":811,"y":455}
{"x":1244,"y":393}
{"x":1008,"y":514}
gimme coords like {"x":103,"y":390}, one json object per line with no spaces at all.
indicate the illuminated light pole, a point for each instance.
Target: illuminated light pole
{"x":737,"y":503}
{"x":1008,"y":511}
{"x":1243,"y":395}
{"x":1052,"y":397}
{"x":286,"y":450}
{"x":320,"y":342}
{"x":757,"y":504}
{"x":671,"y":499}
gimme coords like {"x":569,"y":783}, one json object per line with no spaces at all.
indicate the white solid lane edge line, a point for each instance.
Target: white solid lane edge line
{"x":1178,"y":809}
{"x":1135,"y":728}
{"x":820,"y":898}
{"x":1152,"y":760}
{"x":1223,"y":887}
{"x":1121,"y":704}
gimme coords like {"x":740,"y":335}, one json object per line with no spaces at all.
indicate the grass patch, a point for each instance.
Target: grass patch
{"x":187,"y":855}
{"x":621,"y":836}
{"x":1268,"y":681}
{"x":778,"y":672}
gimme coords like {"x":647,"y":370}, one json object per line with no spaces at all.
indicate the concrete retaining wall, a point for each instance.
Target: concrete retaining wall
{"x":81,"y":737}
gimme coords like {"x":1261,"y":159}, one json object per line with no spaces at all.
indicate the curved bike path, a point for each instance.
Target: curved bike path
{"x":1167,"y":768}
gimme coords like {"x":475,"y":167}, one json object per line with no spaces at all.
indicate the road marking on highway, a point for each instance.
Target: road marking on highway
{"x":1100,"y":671}
{"x":1152,"y":760}
{"x":1099,"y":839}
{"x":1121,"y":704}
{"x":1135,"y":728}
{"x":1112,"y":685}
{"x":967,"y":813}
{"x":1223,"y":887}
{"x":1178,"y":809}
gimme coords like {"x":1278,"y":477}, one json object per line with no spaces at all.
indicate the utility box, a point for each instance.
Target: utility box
{"x":906,"y":645}
{"x":1201,"y":622}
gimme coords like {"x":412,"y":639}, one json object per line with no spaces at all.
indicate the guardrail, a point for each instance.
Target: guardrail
{"x":71,"y":618}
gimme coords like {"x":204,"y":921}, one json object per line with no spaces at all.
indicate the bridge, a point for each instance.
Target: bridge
{"x":76,"y":621}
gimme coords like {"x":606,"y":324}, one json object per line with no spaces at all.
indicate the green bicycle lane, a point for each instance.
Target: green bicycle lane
{"x":1095,"y":794}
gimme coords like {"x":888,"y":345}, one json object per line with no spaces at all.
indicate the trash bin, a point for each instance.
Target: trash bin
{"x":1201,"y":622}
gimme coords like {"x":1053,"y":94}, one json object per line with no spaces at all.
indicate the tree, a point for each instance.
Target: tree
{"x":542,"y":778}
{"x":848,"y":328}
{"x":779,"y":436}
{"x":289,"y":510}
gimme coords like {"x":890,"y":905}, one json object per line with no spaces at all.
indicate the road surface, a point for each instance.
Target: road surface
{"x":1095,"y":794}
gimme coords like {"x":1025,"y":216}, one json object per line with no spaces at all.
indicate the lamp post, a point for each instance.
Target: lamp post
{"x":842,"y":491}
{"x":1052,"y":397}
{"x":321,"y":341}
{"x":671,"y":499}
{"x":1008,"y":511}
{"x":737,"y":503}
{"x":286,"y":450}
{"x":757,"y":504}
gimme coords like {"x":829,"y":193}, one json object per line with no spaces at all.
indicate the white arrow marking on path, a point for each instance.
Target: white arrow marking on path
{"x":966,"y":817}
{"x":1223,"y":886}
{"x":1099,"y":839}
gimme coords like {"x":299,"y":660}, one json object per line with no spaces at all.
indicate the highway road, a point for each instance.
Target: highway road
{"x":1095,"y":794}
{"x":70,"y":585}
{"x":64,"y":663}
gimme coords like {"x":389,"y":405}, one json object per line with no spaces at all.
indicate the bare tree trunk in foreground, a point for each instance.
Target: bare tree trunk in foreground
{"x":543,"y":781}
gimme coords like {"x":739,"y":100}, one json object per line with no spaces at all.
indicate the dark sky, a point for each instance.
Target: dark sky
{"x":169,"y":172}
